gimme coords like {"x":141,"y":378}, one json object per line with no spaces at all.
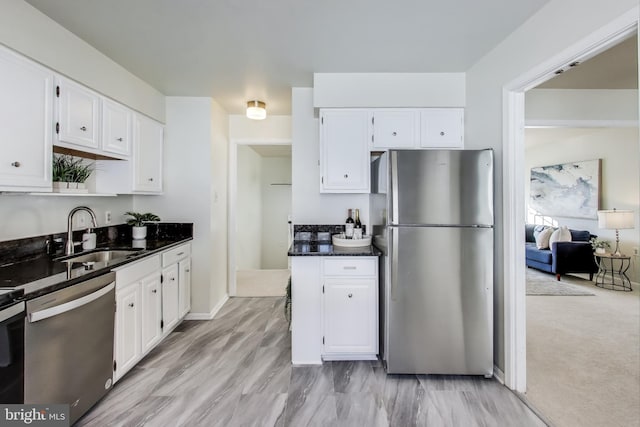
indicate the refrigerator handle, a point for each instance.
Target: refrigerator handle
{"x":394,"y":187}
{"x":394,"y":261}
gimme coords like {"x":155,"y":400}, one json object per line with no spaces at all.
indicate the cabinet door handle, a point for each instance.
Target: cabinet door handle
{"x":441,"y":133}
{"x":83,"y":128}
{"x":187,"y":270}
{"x":173,"y":279}
{"x":350,"y":295}
{"x":130,"y":304}
{"x":150,"y":179}
{"x":393,"y":133}
{"x":346,"y":175}
{"x":119,"y":139}
{"x":154,"y":291}
{"x":181,"y":253}
{"x":15,"y":164}
{"x":349,"y":267}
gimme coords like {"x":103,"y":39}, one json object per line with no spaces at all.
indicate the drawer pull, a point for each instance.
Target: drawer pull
{"x":173,"y":279}
{"x":441,"y":133}
{"x":15,"y":164}
{"x":187,"y":270}
{"x":393,"y":133}
{"x":349,"y":267}
{"x":83,"y":128}
{"x":181,"y":253}
{"x":350,"y":295}
{"x":119,"y":139}
{"x":130,"y":304}
{"x":154,"y":291}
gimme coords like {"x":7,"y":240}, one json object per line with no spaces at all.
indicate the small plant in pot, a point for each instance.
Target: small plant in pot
{"x":137,"y":221}
{"x":600,"y":246}
{"x":70,"y":173}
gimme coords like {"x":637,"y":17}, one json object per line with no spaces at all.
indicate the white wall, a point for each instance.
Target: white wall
{"x":194,"y":190}
{"x":273,"y":127}
{"x":558,"y":25}
{"x":276,"y":206}
{"x":30,"y":32}
{"x":388,"y":90}
{"x":545,"y":107}
{"x":309,"y":206}
{"x":620,"y":183}
{"x":27,"y":216}
{"x":249,"y":216}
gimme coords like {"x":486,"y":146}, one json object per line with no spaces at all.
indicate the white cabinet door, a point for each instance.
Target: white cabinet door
{"x":396,"y":128}
{"x":442,"y":128}
{"x":344,"y":151}
{"x":26,"y":110}
{"x":78,"y":115}
{"x":184,"y":283}
{"x":127,"y":334}
{"x":147,"y":171}
{"x":170,"y":298}
{"x":350,"y":316}
{"x":117,"y":124}
{"x":151,"y":312}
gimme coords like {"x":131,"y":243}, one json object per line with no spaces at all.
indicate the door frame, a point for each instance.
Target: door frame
{"x":233,"y":201}
{"x":513,"y":169}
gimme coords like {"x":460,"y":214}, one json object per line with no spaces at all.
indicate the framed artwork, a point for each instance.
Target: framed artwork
{"x":567,"y":190}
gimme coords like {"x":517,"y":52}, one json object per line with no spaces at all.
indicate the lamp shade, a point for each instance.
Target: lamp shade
{"x":256,"y":110}
{"x":615,"y":219}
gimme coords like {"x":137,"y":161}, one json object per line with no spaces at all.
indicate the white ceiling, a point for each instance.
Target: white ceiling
{"x":272,"y":150}
{"x":238,"y":50}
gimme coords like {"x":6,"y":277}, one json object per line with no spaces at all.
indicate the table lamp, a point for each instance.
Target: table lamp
{"x":615,"y":220}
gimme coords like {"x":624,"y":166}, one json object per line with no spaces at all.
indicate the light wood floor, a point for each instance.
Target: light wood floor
{"x":235,"y":370}
{"x":583,"y":357}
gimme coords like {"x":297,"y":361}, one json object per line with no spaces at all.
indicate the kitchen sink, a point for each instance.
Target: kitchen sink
{"x":101,"y":256}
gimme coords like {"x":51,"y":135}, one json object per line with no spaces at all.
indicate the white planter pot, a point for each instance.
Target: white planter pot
{"x":59,"y":184}
{"x":600,"y":251}
{"x":73,"y":185}
{"x":81,"y":185}
{"x":139,"y":233}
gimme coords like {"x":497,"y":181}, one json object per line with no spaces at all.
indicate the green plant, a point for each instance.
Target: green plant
{"x":69,"y":169}
{"x":138,"y":219}
{"x":598,"y":243}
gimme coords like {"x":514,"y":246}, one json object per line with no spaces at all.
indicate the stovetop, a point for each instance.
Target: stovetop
{"x":9,"y":296}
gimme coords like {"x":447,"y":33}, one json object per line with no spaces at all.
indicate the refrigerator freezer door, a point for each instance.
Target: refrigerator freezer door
{"x":441,"y":187}
{"x":440,"y":298}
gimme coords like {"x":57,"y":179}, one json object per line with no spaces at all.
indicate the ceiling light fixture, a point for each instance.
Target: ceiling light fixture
{"x":256,"y":110}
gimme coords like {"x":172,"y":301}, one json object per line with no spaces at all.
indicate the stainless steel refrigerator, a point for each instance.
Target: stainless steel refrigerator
{"x":432,"y":215}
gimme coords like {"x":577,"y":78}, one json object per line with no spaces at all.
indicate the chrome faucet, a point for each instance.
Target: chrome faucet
{"x":70,"y":243}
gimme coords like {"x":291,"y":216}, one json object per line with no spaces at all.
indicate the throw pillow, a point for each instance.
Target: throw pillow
{"x":537,"y":230}
{"x":542,"y":241}
{"x":562,"y":234}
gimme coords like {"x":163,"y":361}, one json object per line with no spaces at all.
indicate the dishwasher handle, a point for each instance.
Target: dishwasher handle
{"x":71,"y":305}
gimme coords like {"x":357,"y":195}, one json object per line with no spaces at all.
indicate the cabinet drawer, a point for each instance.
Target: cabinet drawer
{"x":350,"y":266}
{"x":137,"y":270}
{"x":176,"y":254}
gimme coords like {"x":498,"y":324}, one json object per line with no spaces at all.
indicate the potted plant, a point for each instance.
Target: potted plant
{"x":68,"y":172}
{"x":137,"y":221}
{"x":600,"y":246}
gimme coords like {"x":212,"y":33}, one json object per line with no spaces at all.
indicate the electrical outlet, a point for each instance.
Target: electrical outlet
{"x":635,"y":251}
{"x":107,"y":217}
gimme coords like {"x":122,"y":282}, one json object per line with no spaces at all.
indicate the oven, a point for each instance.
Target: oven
{"x":12,"y":314}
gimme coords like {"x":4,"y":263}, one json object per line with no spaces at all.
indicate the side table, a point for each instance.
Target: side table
{"x":610,"y":266}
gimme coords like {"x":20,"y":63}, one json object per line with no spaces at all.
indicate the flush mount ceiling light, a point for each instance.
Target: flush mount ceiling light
{"x":256,"y":110}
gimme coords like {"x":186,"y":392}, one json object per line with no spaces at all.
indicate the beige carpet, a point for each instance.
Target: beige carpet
{"x":583,"y":357}
{"x":262,"y":283}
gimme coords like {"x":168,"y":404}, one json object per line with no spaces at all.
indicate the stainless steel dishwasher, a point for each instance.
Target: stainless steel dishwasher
{"x":69,"y":345}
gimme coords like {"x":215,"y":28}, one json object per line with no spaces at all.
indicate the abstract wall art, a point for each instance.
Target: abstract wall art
{"x":569,"y":190}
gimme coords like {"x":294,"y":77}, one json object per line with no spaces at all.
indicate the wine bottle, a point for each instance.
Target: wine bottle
{"x":348,"y":226}
{"x":357,"y":228}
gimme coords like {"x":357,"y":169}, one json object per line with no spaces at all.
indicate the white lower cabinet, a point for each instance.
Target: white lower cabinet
{"x":151,"y":312}
{"x":170,"y":298}
{"x":152,"y":296}
{"x":350,"y":308}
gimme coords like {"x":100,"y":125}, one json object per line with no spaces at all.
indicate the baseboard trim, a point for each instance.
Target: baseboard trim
{"x":211,"y":314}
{"x":306,"y":362}
{"x":498,"y":374}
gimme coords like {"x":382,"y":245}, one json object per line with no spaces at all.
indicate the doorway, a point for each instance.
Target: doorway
{"x":259,"y":215}
{"x":513,"y":173}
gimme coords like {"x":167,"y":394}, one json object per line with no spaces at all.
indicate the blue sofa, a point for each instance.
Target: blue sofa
{"x":563,"y":257}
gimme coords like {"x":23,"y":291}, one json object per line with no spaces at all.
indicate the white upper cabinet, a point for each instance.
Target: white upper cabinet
{"x":26,"y":113}
{"x":117,"y":125}
{"x":344,"y":151}
{"x":147,"y":166}
{"x":398,"y":128}
{"x":78,"y":115}
{"x":442,"y":128}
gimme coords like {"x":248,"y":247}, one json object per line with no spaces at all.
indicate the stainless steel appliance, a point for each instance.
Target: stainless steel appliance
{"x":69,"y":345}
{"x":433,"y":218}
{"x":12,"y":312}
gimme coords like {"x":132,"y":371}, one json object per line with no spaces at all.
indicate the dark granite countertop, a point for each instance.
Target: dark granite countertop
{"x":313,"y":248}
{"x":42,"y":273}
